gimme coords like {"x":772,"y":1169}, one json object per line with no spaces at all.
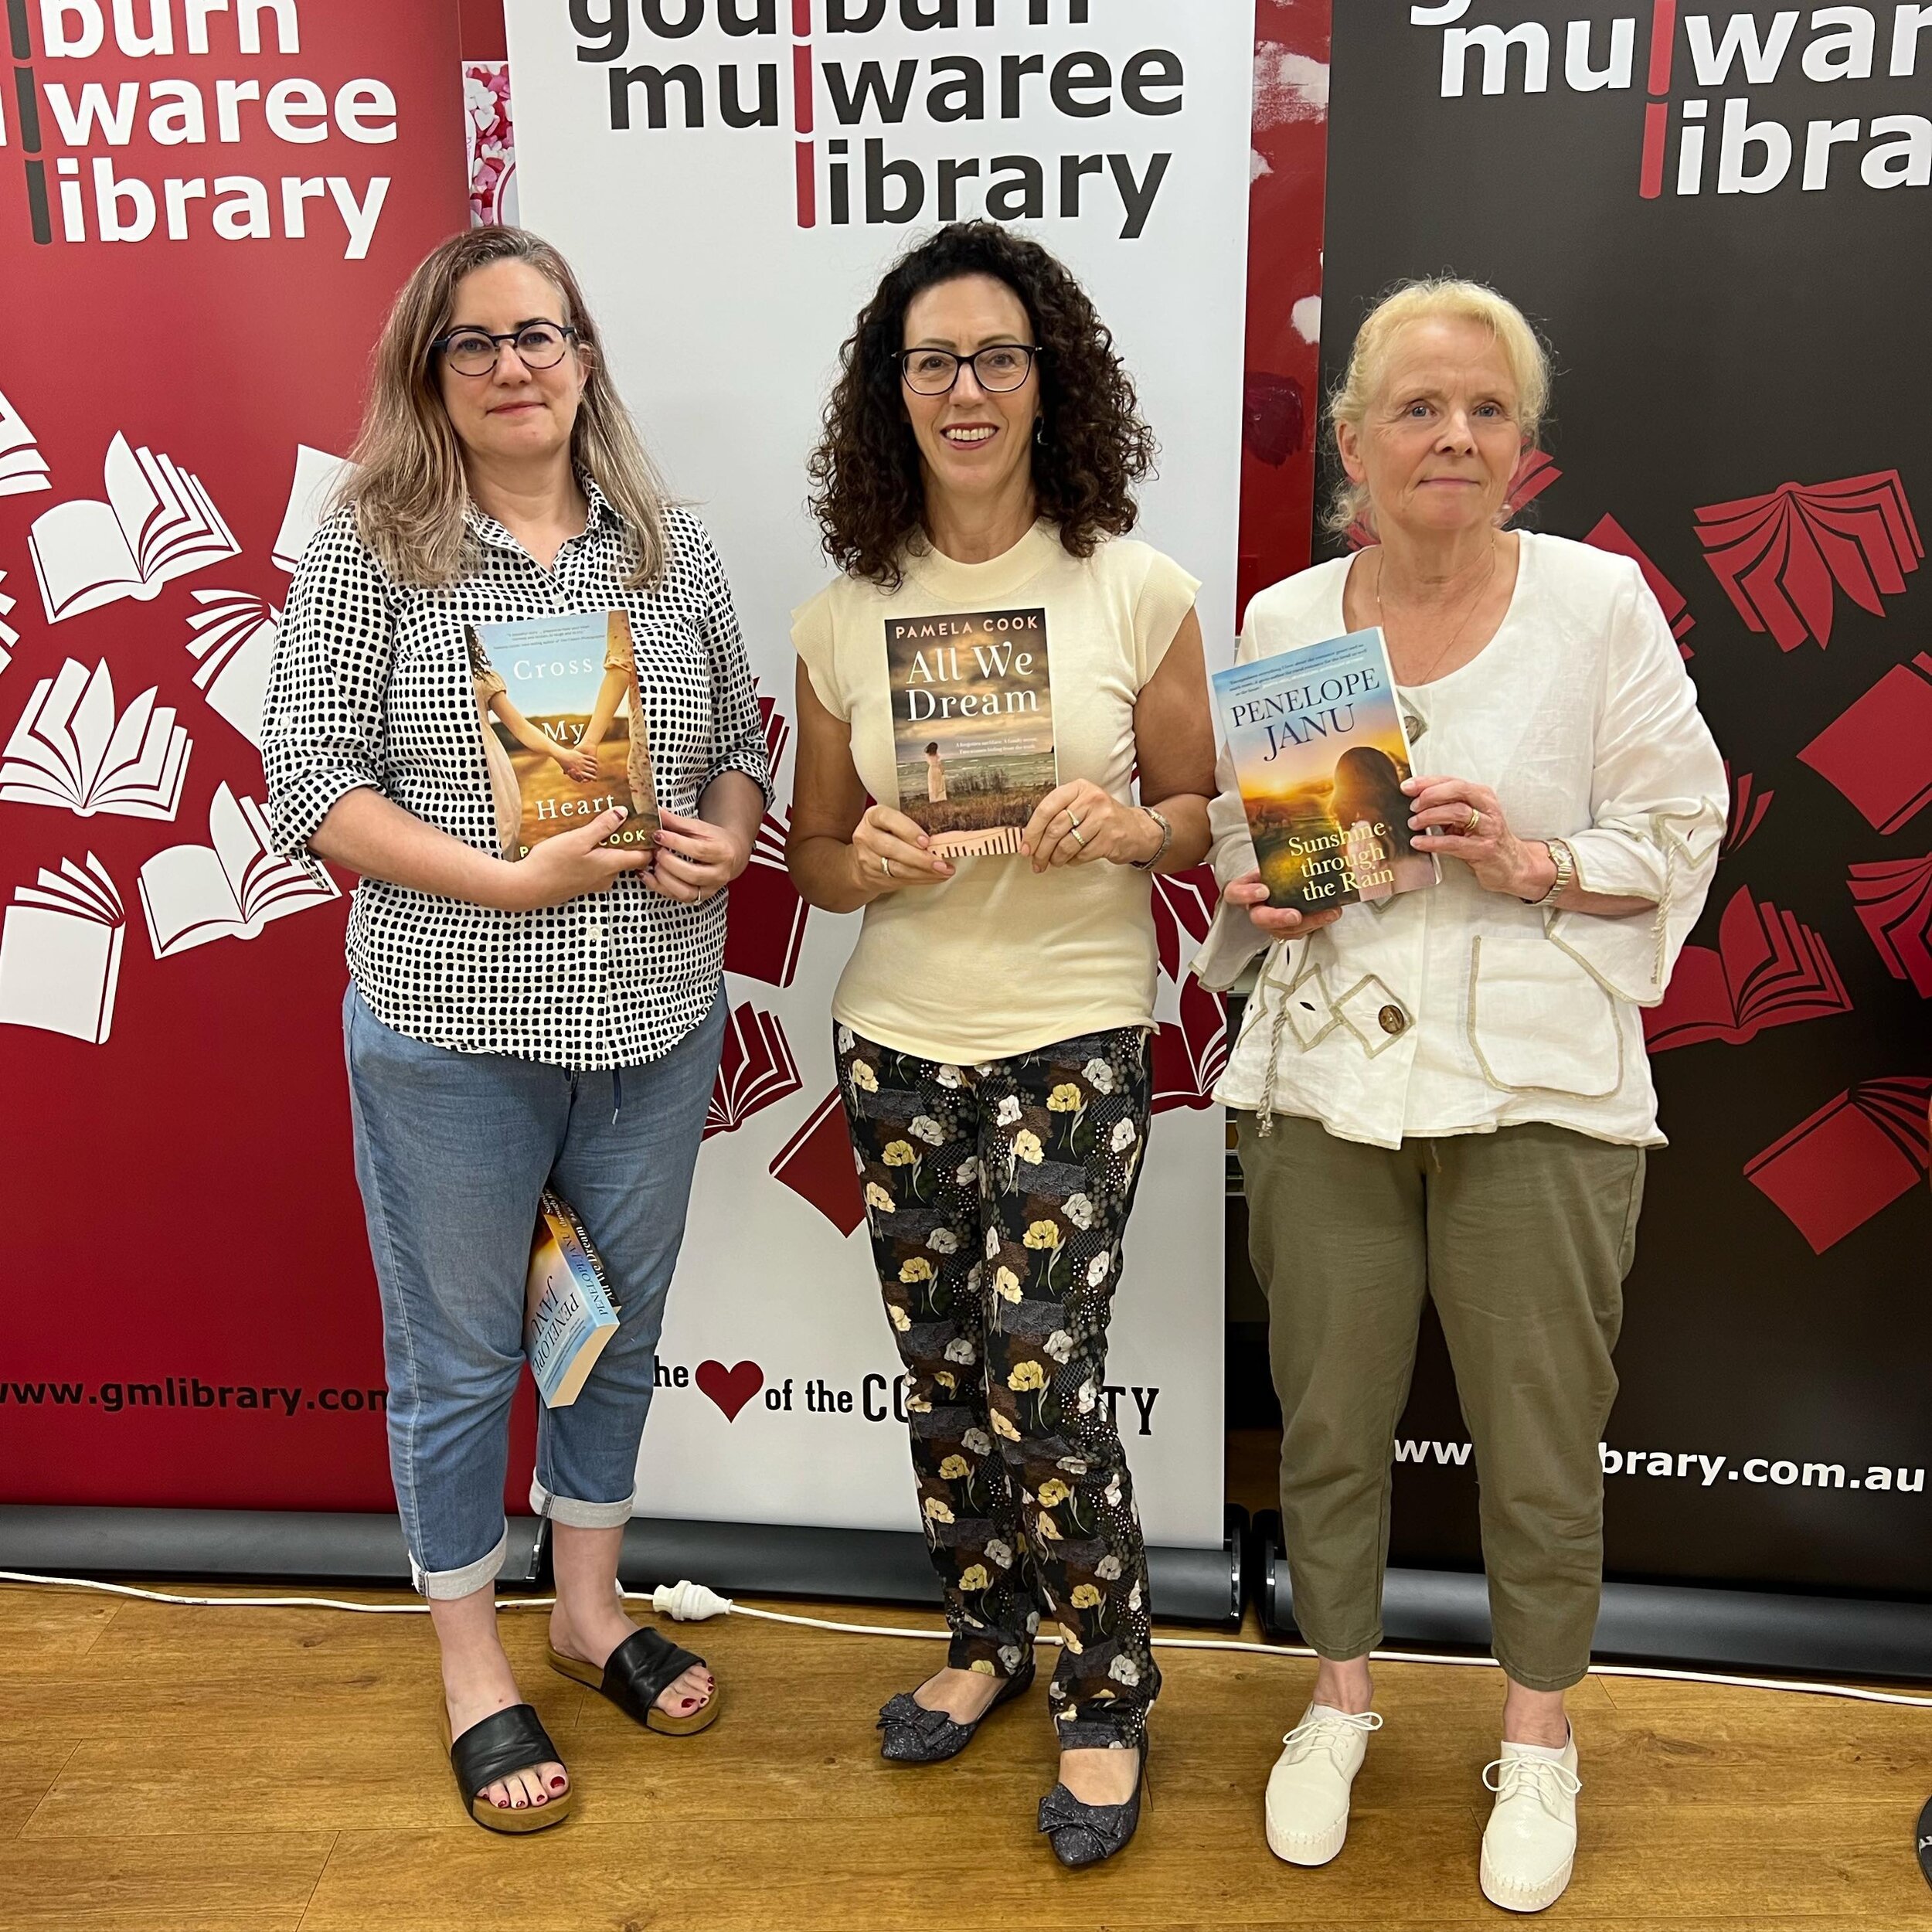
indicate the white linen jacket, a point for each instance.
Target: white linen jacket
{"x":1454,"y":1010}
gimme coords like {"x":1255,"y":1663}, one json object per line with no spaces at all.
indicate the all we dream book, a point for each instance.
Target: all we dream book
{"x":1321,"y":756}
{"x":972,"y":726}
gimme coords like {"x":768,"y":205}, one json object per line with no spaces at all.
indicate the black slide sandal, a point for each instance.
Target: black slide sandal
{"x":639,"y":1672}
{"x":504,"y":1743}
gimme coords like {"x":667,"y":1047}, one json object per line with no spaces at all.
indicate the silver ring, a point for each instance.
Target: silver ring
{"x":1072,"y":819}
{"x":1077,"y":839}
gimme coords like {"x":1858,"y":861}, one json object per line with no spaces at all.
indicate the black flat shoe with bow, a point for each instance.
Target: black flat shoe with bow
{"x":915,"y":1736}
{"x":1084,"y":1834}
{"x":636,"y":1673}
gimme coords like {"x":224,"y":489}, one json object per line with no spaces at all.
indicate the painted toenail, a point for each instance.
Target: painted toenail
{"x":556,"y":1785}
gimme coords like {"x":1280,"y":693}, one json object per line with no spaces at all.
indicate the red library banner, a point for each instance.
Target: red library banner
{"x":204,"y":214}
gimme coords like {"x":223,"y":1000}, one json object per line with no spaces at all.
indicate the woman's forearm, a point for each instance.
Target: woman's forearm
{"x":1540,"y":874}
{"x":733,"y":803}
{"x":822,"y":869}
{"x":375,"y":838}
{"x":1187,"y":812}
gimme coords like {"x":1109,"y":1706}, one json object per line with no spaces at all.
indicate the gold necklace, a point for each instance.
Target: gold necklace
{"x":1455,"y":636}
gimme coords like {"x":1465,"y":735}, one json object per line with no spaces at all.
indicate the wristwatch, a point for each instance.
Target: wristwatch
{"x":1564,"y":861}
{"x":1167,"y":839}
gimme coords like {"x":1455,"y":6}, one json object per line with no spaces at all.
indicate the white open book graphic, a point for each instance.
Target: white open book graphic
{"x":316,"y":474}
{"x":157,"y":523}
{"x":60,"y":953}
{"x":234,"y":638}
{"x":8,"y":636}
{"x":70,"y":751}
{"x":22,"y":469}
{"x":229,"y":889}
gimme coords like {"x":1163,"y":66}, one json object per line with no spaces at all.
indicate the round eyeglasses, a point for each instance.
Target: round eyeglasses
{"x":473,"y":352}
{"x":999,"y":368}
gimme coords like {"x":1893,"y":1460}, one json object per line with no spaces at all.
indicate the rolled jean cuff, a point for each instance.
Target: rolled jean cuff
{"x":442,"y":1586}
{"x":581,"y":1516}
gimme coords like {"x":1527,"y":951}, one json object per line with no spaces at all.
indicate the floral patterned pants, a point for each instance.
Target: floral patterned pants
{"x":997,"y":1197}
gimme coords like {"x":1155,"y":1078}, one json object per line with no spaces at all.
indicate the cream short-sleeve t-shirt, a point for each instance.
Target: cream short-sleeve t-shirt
{"x":1000,"y":961}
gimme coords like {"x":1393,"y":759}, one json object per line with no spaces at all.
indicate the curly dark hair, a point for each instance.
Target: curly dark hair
{"x":1093,"y":446}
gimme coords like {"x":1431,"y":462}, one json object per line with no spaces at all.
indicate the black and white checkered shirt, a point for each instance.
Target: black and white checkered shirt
{"x":372,"y":685}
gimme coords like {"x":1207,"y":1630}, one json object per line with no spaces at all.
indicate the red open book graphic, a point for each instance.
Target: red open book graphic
{"x":1894,"y":900}
{"x":1189,"y":1057}
{"x":1854,"y":1157}
{"x":1767,"y":970}
{"x":1609,"y":534}
{"x":1184,"y":903}
{"x":756,"y":1070}
{"x":1747,"y":811}
{"x":765,"y":918}
{"x":1879,"y":752}
{"x":817,"y":1163}
{"x":1778,"y":556}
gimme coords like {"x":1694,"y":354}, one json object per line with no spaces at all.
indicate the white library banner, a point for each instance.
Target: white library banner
{"x":730,"y":178}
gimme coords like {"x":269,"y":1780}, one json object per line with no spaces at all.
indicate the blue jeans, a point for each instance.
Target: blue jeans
{"x":452,"y":1151}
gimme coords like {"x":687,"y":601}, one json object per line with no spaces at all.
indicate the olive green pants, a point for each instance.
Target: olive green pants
{"x":1522,"y":1239}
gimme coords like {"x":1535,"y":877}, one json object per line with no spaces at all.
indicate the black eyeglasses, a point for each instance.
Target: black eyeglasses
{"x":999,"y":368}
{"x":473,"y":352}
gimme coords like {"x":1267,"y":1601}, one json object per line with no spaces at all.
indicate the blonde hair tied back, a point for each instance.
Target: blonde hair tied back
{"x":1432,"y":298}
{"x":409,"y":492}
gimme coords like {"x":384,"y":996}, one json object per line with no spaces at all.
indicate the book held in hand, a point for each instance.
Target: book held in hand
{"x":1321,"y":756}
{"x":158,"y":524}
{"x":228,"y":888}
{"x":60,"y":953}
{"x":568,"y":1313}
{"x":972,"y":727}
{"x":71,"y":752}
{"x":569,"y":721}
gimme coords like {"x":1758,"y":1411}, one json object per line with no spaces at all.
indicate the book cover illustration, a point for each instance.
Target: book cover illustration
{"x":1767,"y":969}
{"x":1321,"y":756}
{"x":1849,"y":1161}
{"x":568,"y":1313}
{"x":1894,"y":902}
{"x":564,"y":727}
{"x":157,"y":524}
{"x":234,"y":646}
{"x":1878,"y":751}
{"x":60,"y":953}
{"x":756,"y":1070}
{"x":972,"y":727}
{"x":71,"y":752}
{"x":23,"y":469}
{"x":228,"y":888}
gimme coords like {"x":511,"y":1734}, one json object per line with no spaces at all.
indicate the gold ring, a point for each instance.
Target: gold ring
{"x":1474,"y":825}
{"x":1078,"y":840}
{"x":888,"y":864}
{"x":1071,"y":819}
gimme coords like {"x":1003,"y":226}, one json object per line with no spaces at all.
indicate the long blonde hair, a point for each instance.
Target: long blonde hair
{"x":1434,"y":297}
{"x":409,"y":493}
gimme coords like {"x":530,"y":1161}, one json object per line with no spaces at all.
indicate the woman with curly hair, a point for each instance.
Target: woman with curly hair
{"x":980,"y":455}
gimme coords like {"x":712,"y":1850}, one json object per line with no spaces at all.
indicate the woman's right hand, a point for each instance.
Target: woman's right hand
{"x":1277,"y":922}
{"x":570,"y":864}
{"x":890,"y":852}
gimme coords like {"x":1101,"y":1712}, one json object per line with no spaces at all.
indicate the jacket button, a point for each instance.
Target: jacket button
{"x":1393,"y":1019}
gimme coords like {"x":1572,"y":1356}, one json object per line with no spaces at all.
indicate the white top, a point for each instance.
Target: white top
{"x":1454,"y":1010}
{"x":1001,"y":960}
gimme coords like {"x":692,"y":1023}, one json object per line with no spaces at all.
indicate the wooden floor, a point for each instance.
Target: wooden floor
{"x":214,"y":1769}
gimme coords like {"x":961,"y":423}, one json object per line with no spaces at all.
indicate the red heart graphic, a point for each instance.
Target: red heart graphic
{"x":730,"y":1389}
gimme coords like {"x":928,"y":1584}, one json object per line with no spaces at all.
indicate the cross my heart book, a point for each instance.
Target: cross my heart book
{"x":1321,"y":756}
{"x":569,"y":722}
{"x":972,"y":727}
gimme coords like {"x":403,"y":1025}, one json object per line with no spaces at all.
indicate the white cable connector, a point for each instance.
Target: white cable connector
{"x":687,"y":1602}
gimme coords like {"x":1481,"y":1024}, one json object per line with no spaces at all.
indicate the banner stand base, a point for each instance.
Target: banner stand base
{"x":226,"y":1542}
{"x":1720,"y":1629}
{"x":890,"y":1566}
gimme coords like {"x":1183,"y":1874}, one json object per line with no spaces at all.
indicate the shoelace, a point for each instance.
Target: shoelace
{"x":1325,"y":1734}
{"x":1549,"y":1782}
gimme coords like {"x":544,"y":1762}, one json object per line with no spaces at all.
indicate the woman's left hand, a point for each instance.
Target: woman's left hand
{"x":1078,"y":824}
{"x":1455,"y":819}
{"x":695,"y":860}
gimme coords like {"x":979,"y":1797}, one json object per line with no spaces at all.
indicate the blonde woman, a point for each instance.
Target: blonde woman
{"x":508,"y":1025}
{"x":1463,"y":1066}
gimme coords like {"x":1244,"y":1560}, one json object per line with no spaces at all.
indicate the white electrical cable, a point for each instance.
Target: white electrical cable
{"x":688,"y":1602}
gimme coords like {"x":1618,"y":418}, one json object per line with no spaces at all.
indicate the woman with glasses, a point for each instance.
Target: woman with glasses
{"x":976,"y":481}
{"x":511,"y":1026}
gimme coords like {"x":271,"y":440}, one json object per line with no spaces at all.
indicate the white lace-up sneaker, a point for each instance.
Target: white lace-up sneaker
{"x":1307,"y":1802}
{"x":1530,"y":1843}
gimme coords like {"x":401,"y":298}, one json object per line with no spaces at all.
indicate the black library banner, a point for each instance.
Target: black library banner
{"x":1721,"y":220}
